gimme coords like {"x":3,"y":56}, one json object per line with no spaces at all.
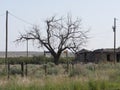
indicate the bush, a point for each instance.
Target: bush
{"x":28,"y":60}
{"x":50,"y":68}
{"x":52,"y":71}
{"x":34,"y":60}
{"x":2,"y":60}
{"x":66,"y":59}
{"x":78,"y":70}
{"x":50,"y":64}
{"x":2,"y":71}
{"x":15,"y":70}
{"x":91,"y":67}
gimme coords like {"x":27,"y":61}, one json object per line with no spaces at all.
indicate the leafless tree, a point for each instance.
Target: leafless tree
{"x":60,"y":34}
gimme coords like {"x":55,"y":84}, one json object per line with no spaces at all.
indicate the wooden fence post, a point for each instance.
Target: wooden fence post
{"x":26,"y":70}
{"x":22,"y":69}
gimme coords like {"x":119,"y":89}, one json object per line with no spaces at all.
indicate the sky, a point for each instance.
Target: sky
{"x":96,"y":15}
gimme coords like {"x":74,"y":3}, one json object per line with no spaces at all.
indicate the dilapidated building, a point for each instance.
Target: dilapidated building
{"x":84,"y":56}
{"x":99,"y":55}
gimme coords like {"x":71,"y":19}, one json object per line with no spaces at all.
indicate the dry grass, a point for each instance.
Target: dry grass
{"x":84,"y":77}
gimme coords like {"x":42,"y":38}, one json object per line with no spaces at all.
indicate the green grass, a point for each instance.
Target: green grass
{"x":81,"y":77}
{"x":64,"y":84}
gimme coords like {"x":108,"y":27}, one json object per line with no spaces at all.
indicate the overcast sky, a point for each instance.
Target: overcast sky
{"x":96,"y":15}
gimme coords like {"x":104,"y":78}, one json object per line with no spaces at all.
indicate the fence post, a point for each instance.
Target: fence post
{"x":8,"y":70}
{"x":26,"y":69}
{"x":45,"y":69}
{"x":22,"y":69}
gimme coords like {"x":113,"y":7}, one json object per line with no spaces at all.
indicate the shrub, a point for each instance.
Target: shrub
{"x":50,"y":64}
{"x":15,"y":70}
{"x":91,"y":67}
{"x":78,"y":70}
{"x":2,"y":71}
{"x":52,"y":71}
{"x":50,"y":68}
{"x":66,"y":59}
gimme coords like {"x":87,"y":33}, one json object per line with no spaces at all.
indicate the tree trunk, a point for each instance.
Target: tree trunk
{"x":56,"y":60}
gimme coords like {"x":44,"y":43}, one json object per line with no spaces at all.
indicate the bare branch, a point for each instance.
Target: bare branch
{"x":61,"y":34}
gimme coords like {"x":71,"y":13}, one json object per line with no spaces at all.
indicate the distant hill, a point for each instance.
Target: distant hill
{"x":30,"y":54}
{"x":21,"y":54}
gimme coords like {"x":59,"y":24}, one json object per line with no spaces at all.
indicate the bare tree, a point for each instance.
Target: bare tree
{"x":60,"y":34}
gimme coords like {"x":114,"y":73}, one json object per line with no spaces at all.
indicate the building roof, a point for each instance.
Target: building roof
{"x":83,"y":51}
{"x":107,"y":50}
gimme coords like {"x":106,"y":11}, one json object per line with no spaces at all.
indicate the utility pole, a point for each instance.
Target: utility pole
{"x":114,"y":30}
{"x":6,"y":48}
{"x":27,"y":56}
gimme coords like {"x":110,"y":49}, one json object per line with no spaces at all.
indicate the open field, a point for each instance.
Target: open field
{"x":80,"y":77}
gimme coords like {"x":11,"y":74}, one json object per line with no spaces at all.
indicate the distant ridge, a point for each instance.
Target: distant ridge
{"x":21,"y":53}
{"x":30,"y":54}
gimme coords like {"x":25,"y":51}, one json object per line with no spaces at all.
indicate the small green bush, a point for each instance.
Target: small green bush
{"x":15,"y":70}
{"x":50,"y":64}
{"x":2,"y":71}
{"x":66,"y":59}
{"x":50,"y":68}
{"x":78,"y":71}
{"x":52,"y":71}
{"x":91,"y":67}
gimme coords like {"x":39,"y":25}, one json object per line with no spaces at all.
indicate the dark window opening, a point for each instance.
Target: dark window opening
{"x":108,"y":57}
{"x":118,"y":57}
